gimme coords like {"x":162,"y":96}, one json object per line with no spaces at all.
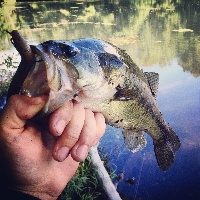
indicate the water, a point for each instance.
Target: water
{"x":180,"y":103}
{"x":163,"y":39}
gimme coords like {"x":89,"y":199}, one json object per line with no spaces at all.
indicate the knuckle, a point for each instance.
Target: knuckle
{"x":72,"y":134}
{"x":72,"y":137}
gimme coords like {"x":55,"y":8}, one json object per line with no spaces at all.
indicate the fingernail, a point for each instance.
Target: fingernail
{"x":82,"y":151}
{"x":60,"y":126}
{"x":62,"y":153}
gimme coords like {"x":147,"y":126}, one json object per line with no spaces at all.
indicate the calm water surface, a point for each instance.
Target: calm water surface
{"x":163,"y":39}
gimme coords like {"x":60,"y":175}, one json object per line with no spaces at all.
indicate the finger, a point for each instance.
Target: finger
{"x":18,"y":109}
{"x":60,"y":118}
{"x":70,"y":134}
{"x":87,"y":138}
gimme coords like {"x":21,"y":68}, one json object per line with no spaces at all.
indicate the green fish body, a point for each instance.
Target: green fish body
{"x":105,"y":79}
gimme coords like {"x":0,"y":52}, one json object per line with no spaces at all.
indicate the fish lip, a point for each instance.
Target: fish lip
{"x":60,"y":79}
{"x":33,"y":88}
{"x":54,"y":69}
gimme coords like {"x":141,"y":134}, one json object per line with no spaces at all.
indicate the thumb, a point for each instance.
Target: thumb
{"x":18,"y":109}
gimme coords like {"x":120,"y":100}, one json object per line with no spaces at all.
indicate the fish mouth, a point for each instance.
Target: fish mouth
{"x":36,"y":83}
{"x":50,"y":76}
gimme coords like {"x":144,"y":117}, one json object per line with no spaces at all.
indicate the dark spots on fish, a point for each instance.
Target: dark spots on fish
{"x":110,"y":82}
{"x":120,"y":120}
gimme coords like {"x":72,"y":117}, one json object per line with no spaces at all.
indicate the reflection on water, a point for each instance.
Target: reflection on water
{"x":179,"y":100}
{"x":163,"y":39}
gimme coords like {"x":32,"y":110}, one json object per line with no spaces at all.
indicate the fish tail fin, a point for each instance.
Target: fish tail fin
{"x":165,"y":148}
{"x":172,"y":139}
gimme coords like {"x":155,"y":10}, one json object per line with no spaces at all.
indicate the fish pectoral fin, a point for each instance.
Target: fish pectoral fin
{"x":165,"y":148}
{"x":153,"y":81}
{"x":134,"y":140}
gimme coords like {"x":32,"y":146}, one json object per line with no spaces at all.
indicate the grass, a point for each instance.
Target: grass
{"x":6,"y":74}
{"x":84,"y":185}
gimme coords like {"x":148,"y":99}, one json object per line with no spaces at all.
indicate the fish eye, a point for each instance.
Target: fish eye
{"x":70,"y":51}
{"x":60,"y":48}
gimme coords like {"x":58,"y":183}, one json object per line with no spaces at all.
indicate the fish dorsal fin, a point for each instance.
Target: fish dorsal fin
{"x":134,"y":140}
{"x":153,"y":81}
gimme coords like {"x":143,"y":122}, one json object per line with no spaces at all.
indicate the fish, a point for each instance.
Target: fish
{"x":105,"y":79}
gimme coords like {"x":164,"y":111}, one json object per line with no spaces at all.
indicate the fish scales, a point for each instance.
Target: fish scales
{"x":105,"y":79}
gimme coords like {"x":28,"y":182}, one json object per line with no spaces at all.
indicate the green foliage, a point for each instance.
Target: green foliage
{"x":84,"y":185}
{"x":5,"y":75}
{"x":8,"y":62}
{"x":150,"y":24}
{"x":5,"y":79}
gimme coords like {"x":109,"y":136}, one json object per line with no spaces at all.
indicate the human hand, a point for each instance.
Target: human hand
{"x":41,"y":158}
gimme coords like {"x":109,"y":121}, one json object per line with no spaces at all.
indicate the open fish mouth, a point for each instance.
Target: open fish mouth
{"x":51,"y":76}
{"x":36,"y":83}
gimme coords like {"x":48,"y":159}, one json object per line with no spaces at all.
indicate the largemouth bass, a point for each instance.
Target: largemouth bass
{"x":105,"y":79}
